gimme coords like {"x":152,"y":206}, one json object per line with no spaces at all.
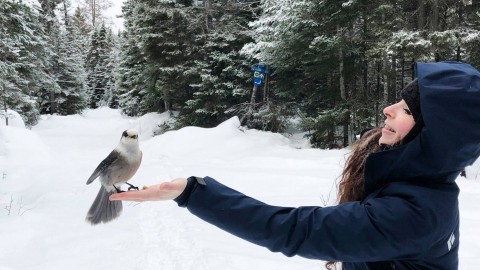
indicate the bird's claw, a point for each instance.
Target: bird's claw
{"x":118,"y":190}
{"x":132,"y":187}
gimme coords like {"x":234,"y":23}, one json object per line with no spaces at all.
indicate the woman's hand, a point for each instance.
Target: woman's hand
{"x":162,"y":192}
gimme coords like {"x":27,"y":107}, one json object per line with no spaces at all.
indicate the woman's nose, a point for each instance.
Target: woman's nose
{"x":388,"y":112}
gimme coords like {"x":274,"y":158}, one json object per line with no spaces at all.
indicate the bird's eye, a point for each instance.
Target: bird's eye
{"x":134,"y":136}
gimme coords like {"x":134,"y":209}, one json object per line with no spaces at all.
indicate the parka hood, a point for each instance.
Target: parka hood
{"x":450,"y":138}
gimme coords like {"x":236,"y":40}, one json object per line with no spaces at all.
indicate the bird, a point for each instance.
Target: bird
{"x":115,"y":170}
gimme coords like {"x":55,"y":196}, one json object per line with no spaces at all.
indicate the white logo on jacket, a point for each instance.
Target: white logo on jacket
{"x":450,"y":241}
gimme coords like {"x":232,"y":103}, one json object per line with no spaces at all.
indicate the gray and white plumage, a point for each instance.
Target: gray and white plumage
{"x":116,"y":169}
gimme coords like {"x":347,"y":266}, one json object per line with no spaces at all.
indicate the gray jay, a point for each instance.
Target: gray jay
{"x":119,"y":166}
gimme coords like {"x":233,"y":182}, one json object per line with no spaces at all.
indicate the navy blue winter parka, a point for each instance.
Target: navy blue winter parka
{"x":409,"y":217}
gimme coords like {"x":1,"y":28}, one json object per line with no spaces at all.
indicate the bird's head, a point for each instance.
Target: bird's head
{"x":129,"y":137}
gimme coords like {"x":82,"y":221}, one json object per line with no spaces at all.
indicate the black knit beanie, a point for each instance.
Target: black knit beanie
{"x":411,"y":96}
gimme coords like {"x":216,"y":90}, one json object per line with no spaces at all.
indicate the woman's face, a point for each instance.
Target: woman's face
{"x":398,"y":123}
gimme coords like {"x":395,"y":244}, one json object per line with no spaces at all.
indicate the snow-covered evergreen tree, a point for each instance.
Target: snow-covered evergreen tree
{"x":169,"y":44}
{"x":24,"y":56}
{"x":112,"y":96}
{"x":130,"y":83}
{"x":221,"y":73}
{"x":49,"y":94}
{"x":304,"y":43}
{"x":70,"y":76}
{"x":99,"y":73}
{"x":158,"y":49}
{"x":336,"y":63}
{"x":65,"y":92}
{"x":80,"y":30}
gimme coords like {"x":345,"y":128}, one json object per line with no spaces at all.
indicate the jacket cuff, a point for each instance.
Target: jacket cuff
{"x":192,"y":184}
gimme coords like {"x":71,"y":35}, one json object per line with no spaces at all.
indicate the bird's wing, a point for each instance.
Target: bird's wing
{"x":103,"y":165}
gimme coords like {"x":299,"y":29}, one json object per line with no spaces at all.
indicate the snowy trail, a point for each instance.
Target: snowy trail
{"x":156,"y":231}
{"x":44,"y":172}
{"x":86,"y":142}
{"x":62,"y":152}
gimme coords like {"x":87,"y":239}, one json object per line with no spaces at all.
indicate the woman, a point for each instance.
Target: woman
{"x":406,"y":214}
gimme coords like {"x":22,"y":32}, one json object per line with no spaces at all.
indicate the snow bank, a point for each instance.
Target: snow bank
{"x":18,"y":142}
{"x":149,"y":124}
{"x":14,"y":119}
{"x":23,"y":144}
{"x":473,"y":172}
{"x":228,"y":137}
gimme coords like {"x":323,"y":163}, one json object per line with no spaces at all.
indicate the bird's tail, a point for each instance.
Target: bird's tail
{"x":102,"y":209}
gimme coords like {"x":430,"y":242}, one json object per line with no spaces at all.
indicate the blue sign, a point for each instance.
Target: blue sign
{"x":257,"y":81}
{"x":258,"y":69}
{"x":259,"y":74}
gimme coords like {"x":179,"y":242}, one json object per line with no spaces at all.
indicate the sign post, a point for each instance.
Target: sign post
{"x":260,"y":72}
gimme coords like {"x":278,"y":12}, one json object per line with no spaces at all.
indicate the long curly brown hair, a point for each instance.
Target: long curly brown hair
{"x":351,"y":184}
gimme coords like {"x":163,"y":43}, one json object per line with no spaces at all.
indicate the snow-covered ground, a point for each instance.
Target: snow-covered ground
{"x":44,"y":198}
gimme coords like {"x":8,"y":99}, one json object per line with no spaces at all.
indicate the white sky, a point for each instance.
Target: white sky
{"x":112,"y":13}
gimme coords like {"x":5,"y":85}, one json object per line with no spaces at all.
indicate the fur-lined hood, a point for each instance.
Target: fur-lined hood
{"x":450,"y":139}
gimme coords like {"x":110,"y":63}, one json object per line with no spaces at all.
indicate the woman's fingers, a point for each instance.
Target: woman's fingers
{"x":163,"y":191}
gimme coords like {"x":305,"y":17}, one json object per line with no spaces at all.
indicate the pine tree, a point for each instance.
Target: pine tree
{"x":222,"y":72}
{"x":112,"y":96}
{"x":24,"y":56}
{"x":70,"y":77}
{"x":335,"y":63}
{"x":99,"y":76}
{"x":308,"y":46}
{"x":130,"y":80}
{"x":468,"y":15}
{"x":80,"y":30}
{"x":158,"y":49}
{"x":50,"y":92}
{"x":168,"y":44}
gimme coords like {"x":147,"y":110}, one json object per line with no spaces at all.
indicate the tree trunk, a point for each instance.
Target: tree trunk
{"x":167,"y":105}
{"x":208,"y":15}
{"x":385,"y":81}
{"x":93,"y":13}
{"x":266,"y":90}
{"x":254,"y":96}
{"x":402,"y":79}
{"x":413,"y":69}
{"x":393,"y":89}
{"x":52,"y":102}
{"x":364,"y":49}
{"x":5,"y":102}
{"x":461,"y":22}
{"x":377,"y":98}
{"x":421,"y":15}
{"x":434,"y":17}
{"x":249,"y":112}
{"x":461,"y":13}
{"x":343,"y":93}
{"x":434,"y":24}
{"x":65,"y":12}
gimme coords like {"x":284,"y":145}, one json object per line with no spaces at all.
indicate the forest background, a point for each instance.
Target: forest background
{"x":333,"y":65}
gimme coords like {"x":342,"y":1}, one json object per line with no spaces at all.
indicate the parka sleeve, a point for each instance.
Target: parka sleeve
{"x":383,"y":229}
